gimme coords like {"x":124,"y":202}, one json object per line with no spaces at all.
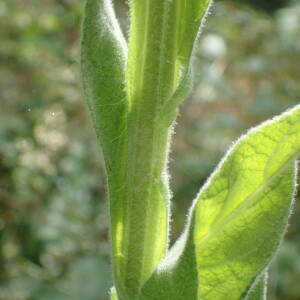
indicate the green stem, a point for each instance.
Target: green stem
{"x":134,"y":124}
{"x":151,"y":79}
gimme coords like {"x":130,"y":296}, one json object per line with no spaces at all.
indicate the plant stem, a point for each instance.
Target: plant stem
{"x":151,"y":79}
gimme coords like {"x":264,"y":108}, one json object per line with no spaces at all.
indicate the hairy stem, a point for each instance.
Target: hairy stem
{"x":151,"y":79}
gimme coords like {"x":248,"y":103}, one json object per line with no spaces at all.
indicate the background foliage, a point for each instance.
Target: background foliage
{"x":53,"y":208}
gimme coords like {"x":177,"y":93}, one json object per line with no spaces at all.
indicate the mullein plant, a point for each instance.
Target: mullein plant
{"x":237,"y":221}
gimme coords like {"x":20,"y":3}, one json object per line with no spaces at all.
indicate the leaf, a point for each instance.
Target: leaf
{"x":169,"y":110}
{"x":103,"y":66}
{"x":103,"y":63}
{"x":241,"y":213}
{"x":238,"y":219}
{"x":259,"y":289}
{"x":191,"y":17}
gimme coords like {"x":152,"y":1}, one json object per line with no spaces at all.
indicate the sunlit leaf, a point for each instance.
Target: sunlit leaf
{"x":238,"y":219}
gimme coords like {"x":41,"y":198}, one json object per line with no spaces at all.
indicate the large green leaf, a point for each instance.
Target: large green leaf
{"x":241,"y":213}
{"x":237,"y":221}
{"x":103,"y":64}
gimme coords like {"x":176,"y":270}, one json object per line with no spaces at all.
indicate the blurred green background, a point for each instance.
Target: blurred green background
{"x":53,"y":206}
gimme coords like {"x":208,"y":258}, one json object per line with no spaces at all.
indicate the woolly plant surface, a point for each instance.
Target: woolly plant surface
{"x":238,"y":219}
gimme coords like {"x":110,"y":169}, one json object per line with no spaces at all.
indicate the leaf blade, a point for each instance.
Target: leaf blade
{"x":254,"y":184}
{"x":223,"y":234}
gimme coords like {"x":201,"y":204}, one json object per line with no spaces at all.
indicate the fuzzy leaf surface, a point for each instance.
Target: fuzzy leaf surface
{"x":103,"y":63}
{"x":242,"y":212}
{"x":103,"y":66}
{"x":237,"y":221}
